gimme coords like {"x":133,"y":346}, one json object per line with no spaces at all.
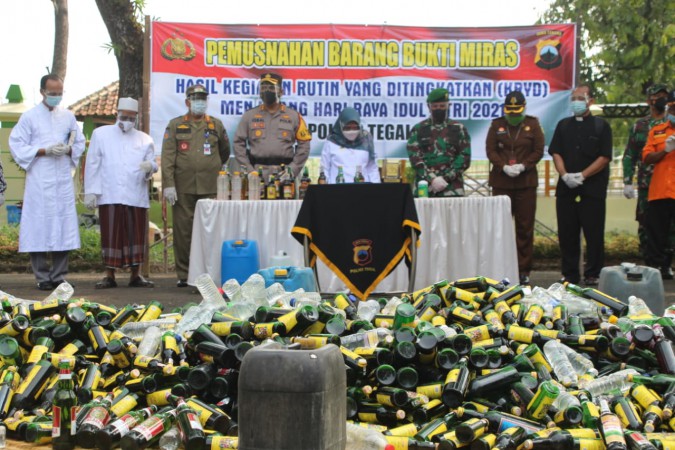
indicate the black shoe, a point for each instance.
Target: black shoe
{"x":56,"y":283}
{"x":591,"y":281}
{"x":567,"y":280}
{"x":181,"y":283}
{"x":45,"y":286}
{"x":524,"y":280}
{"x":666,"y":273}
{"x":139,"y":281}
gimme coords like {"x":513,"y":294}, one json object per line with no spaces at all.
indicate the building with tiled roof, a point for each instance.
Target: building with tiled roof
{"x":99,"y":108}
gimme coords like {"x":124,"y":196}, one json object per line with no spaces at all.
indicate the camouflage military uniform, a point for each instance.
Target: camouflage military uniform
{"x":632,"y":156}
{"x":440,"y":150}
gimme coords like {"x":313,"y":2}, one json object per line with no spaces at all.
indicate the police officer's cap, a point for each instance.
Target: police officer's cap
{"x":438,"y":95}
{"x":196,"y":89}
{"x":269,"y":77}
{"x":656,"y":88}
{"x":514,"y":102}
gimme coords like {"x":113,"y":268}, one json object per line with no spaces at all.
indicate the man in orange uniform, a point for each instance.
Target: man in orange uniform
{"x":661,"y":212}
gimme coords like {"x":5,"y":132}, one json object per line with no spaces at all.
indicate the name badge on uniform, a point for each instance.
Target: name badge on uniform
{"x":207,"y":146}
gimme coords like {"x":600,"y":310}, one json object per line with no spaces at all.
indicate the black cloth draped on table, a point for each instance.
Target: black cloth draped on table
{"x":360,"y":231}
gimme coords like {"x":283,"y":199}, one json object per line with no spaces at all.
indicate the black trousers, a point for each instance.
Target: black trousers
{"x":576,"y":214}
{"x":660,"y":216}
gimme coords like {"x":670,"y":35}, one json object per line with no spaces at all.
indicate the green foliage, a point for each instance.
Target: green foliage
{"x":626,"y":45}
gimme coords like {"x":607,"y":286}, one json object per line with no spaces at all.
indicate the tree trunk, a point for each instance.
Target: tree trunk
{"x":126,"y":35}
{"x":60,"y":57}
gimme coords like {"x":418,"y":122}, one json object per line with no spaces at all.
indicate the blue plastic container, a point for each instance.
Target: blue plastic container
{"x":13,"y":214}
{"x":291,"y":278}
{"x":629,"y":279}
{"x":239,"y":259}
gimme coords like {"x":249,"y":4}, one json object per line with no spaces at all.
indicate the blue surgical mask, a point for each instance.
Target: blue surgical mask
{"x":53,"y":100}
{"x":579,"y":107}
{"x":198,"y":107}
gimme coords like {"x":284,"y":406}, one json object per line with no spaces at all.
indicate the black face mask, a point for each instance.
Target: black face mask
{"x":269,"y":97}
{"x":660,"y":104}
{"x":439,"y":115}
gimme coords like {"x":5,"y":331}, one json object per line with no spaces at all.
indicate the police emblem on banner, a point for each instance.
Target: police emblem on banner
{"x":548,"y":50}
{"x":178,"y":48}
{"x":363,"y":252}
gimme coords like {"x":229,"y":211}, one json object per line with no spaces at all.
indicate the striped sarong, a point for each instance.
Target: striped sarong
{"x":124,"y":231}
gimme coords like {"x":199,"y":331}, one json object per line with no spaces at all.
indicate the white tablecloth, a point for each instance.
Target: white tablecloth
{"x":461,"y":237}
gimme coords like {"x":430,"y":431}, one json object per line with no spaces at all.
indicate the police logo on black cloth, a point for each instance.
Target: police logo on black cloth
{"x":548,"y":50}
{"x":363,"y":252}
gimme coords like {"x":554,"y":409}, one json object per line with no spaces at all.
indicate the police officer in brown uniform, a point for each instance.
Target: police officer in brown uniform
{"x":271,"y":134}
{"x":194,"y":150}
{"x":514,"y":145}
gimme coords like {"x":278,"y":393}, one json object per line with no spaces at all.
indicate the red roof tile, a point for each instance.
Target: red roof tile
{"x":99,"y":104}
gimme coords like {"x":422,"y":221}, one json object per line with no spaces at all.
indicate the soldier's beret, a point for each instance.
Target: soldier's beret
{"x":656,"y":88}
{"x":438,"y":95}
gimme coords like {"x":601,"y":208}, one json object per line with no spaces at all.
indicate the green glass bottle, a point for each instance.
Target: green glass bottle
{"x":610,"y":426}
{"x":110,"y":436}
{"x":64,"y":410}
{"x":148,"y":432}
{"x":188,"y":423}
{"x":340,"y":179}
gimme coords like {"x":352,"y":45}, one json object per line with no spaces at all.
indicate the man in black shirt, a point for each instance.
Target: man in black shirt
{"x":582,"y":149}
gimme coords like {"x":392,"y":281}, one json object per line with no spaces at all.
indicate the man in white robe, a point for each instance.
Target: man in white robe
{"x":120,"y":162}
{"x":47,"y":143}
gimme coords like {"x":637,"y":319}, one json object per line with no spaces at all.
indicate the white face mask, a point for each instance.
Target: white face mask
{"x":125,"y":125}
{"x":198,"y":107}
{"x":351,"y":135}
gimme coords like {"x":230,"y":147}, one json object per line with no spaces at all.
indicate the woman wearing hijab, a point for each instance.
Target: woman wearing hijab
{"x":349,"y":146}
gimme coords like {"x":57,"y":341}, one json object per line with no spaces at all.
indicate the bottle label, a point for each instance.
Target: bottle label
{"x":194,"y":421}
{"x":476,"y":334}
{"x":124,"y":424}
{"x":520,"y":334}
{"x":222,"y":328}
{"x":505,"y":423}
{"x":158,"y":398}
{"x":150,"y":428}
{"x":452,"y":376}
{"x":407,"y":430}
{"x":263,"y":330}
{"x":203,"y":413}
{"x":644,"y":395}
{"x":591,"y":444}
{"x":56,"y":421}
{"x":224,"y":442}
{"x":463,"y":313}
{"x":98,"y":417}
{"x":398,"y":442}
{"x":611,"y":427}
{"x":501,"y":308}
{"x":534,"y":314}
{"x":128,"y":403}
{"x":432,"y":391}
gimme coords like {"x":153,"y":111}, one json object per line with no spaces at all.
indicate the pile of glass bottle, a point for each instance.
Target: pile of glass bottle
{"x":472,"y":363}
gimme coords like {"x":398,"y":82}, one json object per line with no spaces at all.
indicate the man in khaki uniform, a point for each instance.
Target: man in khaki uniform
{"x":194,"y":150}
{"x":514,"y":146}
{"x":272,"y":134}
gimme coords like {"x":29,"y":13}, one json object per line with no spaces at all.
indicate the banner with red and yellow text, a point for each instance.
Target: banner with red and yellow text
{"x":385,"y":72}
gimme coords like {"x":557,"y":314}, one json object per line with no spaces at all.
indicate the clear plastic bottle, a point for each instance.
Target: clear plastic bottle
{"x":360,"y":438}
{"x":209,"y":291}
{"x":223,"y":186}
{"x":253,"y":185}
{"x":150,"y":343}
{"x":367,"y":339}
{"x":638,"y":307}
{"x":274,"y":293}
{"x":562,"y":367}
{"x":566,"y":400}
{"x":575,"y":304}
{"x":367,"y":310}
{"x":617,"y":380}
{"x":62,"y":292}
{"x":253,"y":290}
{"x":135,"y":330}
{"x":171,"y":440}
{"x":581,"y":365}
{"x":390,"y":308}
{"x":236,"y":186}
{"x":232,"y":290}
